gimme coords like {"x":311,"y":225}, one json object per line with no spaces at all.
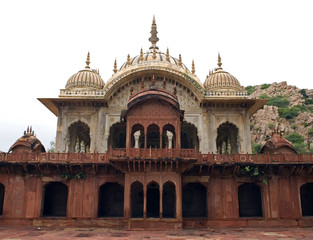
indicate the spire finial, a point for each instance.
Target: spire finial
{"x":88,"y":61}
{"x":115,"y":66}
{"x":167,"y":55}
{"x":128,"y":60}
{"x":219,"y":63}
{"x":154,"y":54}
{"x":141,"y":55}
{"x":193,"y":69}
{"x":180,"y":63}
{"x":154,"y":38}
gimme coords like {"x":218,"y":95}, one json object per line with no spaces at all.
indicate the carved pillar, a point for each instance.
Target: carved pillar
{"x":178,"y":134}
{"x":179,"y":210}
{"x":144,"y":201}
{"x":136,"y":136}
{"x":161,"y":201}
{"x":127,"y":197}
{"x":170,"y":139}
{"x":146,"y":129}
{"x":128,"y":138}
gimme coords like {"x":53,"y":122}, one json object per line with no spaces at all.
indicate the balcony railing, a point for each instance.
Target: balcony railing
{"x":155,"y":153}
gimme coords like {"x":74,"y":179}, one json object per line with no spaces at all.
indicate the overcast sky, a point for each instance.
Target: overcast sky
{"x":43,"y":43}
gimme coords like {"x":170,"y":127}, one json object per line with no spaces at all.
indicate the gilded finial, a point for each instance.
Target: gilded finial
{"x":141,"y":55}
{"x":88,"y":61}
{"x":167,"y":55}
{"x":128,"y":59}
{"x":193,"y":69}
{"x":154,"y":38}
{"x":115,"y":67}
{"x":180,"y":60}
{"x":219,"y":63}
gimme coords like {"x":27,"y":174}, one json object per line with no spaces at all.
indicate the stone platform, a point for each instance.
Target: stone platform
{"x":19,"y":233}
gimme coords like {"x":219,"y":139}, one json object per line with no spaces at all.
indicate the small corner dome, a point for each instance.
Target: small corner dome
{"x":87,"y":78}
{"x":28,"y":143}
{"x":221,"y":80}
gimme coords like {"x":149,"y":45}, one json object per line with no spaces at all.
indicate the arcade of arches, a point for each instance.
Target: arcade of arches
{"x":78,"y":137}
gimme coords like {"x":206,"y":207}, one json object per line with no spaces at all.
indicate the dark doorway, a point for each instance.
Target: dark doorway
{"x":111,"y":200}
{"x":169,"y":200}
{"x":55,"y":200}
{"x":227,"y":139}
{"x":249,"y":198}
{"x":78,"y":137}
{"x":153,"y":136}
{"x":194,"y":200}
{"x":117,"y":138}
{"x":306,"y":193}
{"x":1,"y":197}
{"x":153,"y":200}
{"x":136,"y":196}
{"x":189,"y":136}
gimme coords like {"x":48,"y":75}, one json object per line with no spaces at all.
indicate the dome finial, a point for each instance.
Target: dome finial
{"x":219,"y":63}
{"x":88,"y":61}
{"x":115,"y":67}
{"x":154,"y":38}
{"x":193,"y":69}
{"x":167,"y":55}
{"x":141,"y":55}
{"x":180,"y":63}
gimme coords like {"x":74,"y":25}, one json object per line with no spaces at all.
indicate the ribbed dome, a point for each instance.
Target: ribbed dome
{"x":150,"y":56}
{"x":220,"y":80}
{"x":86,"y":78}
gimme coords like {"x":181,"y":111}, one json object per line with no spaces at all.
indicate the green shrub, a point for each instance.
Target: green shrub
{"x":308,"y":101}
{"x":256,"y":148}
{"x":310,"y":132}
{"x":305,"y":124}
{"x":299,"y":147}
{"x":250,"y":89}
{"x":264,"y":96}
{"x":303,"y":92}
{"x":288,"y":113}
{"x":265,"y":86}
{"x":295,"y":138}
{"x":251,"y":125}
{"x":270,"y":125}
{"x":294,"y":126}
{"x":278,"y":101}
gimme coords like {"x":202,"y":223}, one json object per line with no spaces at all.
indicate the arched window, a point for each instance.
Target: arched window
{"x":78,"y":137}
{"x":138,"y":136}
{"x":153,"y":200}
{"x":169,"y":200}
{"x":153,"y":136}
{"x":227,"y":139}
{"x":306,"y":193}
{"x":194,"y":200}
{"x":189,"y":135}
{"x":136,"y":197}
{"x":168,"y":136}
{"x":1,"y":197}
{"x":117,"y":138}
{"x":249,"y":199}
{"x":55,"y":200}
{"x":111,"y":200}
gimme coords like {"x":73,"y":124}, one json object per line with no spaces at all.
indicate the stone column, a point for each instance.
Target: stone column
{"x":136,"y":136}
{"x":144,"y":201}
{"x":161,"y":201}
{"x":127,"y":197}
{"x":170,"y":139}
{"x":179,"y":210}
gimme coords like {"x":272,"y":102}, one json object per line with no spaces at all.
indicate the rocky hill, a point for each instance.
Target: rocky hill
{"x":289,"y":110}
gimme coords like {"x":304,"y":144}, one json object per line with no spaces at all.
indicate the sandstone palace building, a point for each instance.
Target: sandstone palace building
{"x":153,"y":147}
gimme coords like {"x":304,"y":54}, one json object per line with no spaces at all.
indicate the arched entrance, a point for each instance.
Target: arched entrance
{"x":153,"y":136}
{"x":189,"y":136}
{"x":227,"y":139}
{"x":117,"y":138}
{"x":111,"y":200}
{"x":153,"y":200}
{"x":78,"y":138}
{"x":55,"y":200}
{"x":194,"y":200}
{"x":249,"y":199}
{"x":138,"y":136}
{"x":136,"y":198}
{"x":1,"y":197}
{"x":168,"y":136}
{"x":306,"y":194}
{"x":169,"y":200}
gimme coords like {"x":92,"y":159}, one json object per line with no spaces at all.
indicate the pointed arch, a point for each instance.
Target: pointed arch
{"x":117,"y":137}
{"x":227,"y":138}
{"x":136,"y":198}
{"x":189,"y":135}
{"x":78,"y":137}
{"x":169,"y":200}
{"x":153,"y":200}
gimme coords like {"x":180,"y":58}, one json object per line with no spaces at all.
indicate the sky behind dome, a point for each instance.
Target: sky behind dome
{"x":43,"y":43}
